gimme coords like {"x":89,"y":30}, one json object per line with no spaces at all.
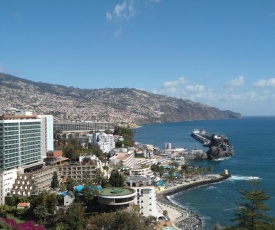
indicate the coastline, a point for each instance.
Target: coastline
{"x":185,"y":219}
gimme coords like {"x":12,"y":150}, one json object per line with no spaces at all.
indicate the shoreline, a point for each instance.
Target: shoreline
{"x":186,"y":219}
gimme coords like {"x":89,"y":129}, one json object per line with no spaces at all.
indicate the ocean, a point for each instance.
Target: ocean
{"x":253,"y":140}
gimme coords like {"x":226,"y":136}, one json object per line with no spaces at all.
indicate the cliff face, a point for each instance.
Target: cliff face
{"x":118,"y":105}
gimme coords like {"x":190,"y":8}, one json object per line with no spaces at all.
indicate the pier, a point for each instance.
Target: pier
{"x":200,"y":135}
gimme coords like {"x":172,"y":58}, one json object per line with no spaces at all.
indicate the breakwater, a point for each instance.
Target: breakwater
{"x":188,"y":220}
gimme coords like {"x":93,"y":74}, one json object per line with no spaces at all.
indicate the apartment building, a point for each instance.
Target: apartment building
{"x":84,"y":126}
{"x":141,"y":170}
{"x":47,"y":139}
{"x":146,"y":196}
{"x":33,"y":183}
{"x":123,"y":158}
{"x":105,"y":141}
{"x":24,"y":141}
{"x":85,"y":169}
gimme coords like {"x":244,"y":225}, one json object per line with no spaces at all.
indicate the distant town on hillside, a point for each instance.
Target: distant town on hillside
{"x":118,"y":105}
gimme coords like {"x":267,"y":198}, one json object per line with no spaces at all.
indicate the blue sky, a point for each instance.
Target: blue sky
{"x":220,"y":53}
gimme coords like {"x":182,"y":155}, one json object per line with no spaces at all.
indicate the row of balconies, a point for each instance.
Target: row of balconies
{"x":77,"y":172}
{"x":78,"y":168}
{"x":21,"y":187}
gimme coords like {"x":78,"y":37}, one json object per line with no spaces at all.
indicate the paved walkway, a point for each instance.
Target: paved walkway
{"x":173,"y":213}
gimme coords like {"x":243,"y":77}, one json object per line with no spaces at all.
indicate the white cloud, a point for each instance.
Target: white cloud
{"x":236,"y":82}
{"x":121,"y":15}
{"x":109,"y":16}
{"x":181,"y":88}
{"x":175,"y":83}
{"x":118,"y":11}
{"x":246,"y":100}
{"x":265,"y":83}
{"x":195,"y":88}
{"x":122,"y":12}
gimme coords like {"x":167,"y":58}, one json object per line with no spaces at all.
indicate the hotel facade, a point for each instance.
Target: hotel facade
{"x":24,"y":140}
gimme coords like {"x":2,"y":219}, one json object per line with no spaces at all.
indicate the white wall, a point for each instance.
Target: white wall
{"x":7,"y":179}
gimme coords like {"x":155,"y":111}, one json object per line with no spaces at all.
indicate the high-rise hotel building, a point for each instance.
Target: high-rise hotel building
{"x":24,"y":140}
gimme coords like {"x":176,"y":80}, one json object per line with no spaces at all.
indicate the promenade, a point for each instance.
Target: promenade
{"x":179,"y":217}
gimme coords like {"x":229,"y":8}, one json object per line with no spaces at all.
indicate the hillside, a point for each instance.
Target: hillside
{"x":120,"y":105}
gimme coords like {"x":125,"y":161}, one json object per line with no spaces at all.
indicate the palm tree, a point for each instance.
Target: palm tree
{"x":41,"y":213}
{"x":211,"y":168}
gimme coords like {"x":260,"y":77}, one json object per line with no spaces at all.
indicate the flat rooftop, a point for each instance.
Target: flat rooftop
{"x":116,"y":191}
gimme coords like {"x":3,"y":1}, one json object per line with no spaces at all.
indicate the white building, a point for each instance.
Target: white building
{"x":7,"y":179}
{"x":124,"y":158}
{"x":146,"y":199}
{"x":24,"y":137}
{"x":146,"y":196}
{"x":141,"y":170}
{"x":105,"y":141}
{"x":46,"y":134}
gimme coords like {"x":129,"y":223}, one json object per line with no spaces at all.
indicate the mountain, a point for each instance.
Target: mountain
{"x":120,"y":105}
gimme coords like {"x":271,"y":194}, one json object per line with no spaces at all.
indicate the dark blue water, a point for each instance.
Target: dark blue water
{"x":253,"y":139}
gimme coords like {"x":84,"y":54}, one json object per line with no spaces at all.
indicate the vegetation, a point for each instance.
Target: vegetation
{"x":158,"y":169}
{"x":127,"y":134}
{"x":70,"y":184}
{"x":119,"y":221}
{"x":72,"y":218}
{"x":116,"y":179}
{"x":165,"y":213}
{"x":72,"y":148}
{"x":251,"y":213}
{"x":55,"y":182}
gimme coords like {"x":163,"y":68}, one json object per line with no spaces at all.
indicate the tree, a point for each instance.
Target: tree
{"x":201,"y":169}
{"x":70,"y":184}
{"x":98,"y":176}
{"x":171,"y":173}
{"x":51,"y":202}
{"x":104,"y":183}
{"x":127,"y":134}
{"x":158,"y":169}
{"x":251,"y":213}
{"x":119,"y":220}
{"x":87,"y":194}
{"x":40,"y":212}
{"x":73,"y":218}
{"x":165,"y":213}
{"x":116,"y":179}
{"x":55,"y":182}
{"x":43,"y":205}
{"x":211,"y":168}
{"x":175,"y":164}
{"x":3,"y":210}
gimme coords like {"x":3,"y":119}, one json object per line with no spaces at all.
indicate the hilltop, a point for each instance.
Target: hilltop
{"x":118,"y":105}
